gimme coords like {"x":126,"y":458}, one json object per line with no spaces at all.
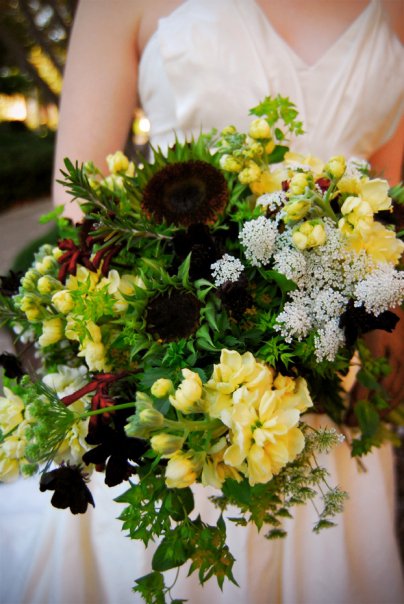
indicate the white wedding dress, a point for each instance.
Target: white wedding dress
{"x":207,"y":64}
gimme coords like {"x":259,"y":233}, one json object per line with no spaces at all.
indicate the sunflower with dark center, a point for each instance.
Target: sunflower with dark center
{"x":172,"y":315}
{"x":185,"y":193}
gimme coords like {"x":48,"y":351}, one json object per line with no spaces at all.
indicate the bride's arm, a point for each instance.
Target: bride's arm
{"x":99,"y":89}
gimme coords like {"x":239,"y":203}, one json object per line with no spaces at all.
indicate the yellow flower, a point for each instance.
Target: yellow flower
{"x":74,"y":444}
{"x":46,"y":265}
{"x":250,"y":173}
{"x":92,"y":349}
{"x":187,"y":396}
{"x":375,"y":193}
{"x":12,"y":453}
{"x":166,"y":444}
{"x":117,"y":162}
{"x":52,"y":332}
{"x":162,"y":388}
{"x":29,"y":305}
{"x":183,"y":469}
{"x":259,"y":128}
{"x":336,"y":166}
{"x":296,"y":210}
{"x":63,"y":301}
{"x":380,"y":243}
{"x":264,"y":435}
{"x":267,"y":182}
{"x":298,"y":183}
{"x":11,"y":410}
{"x":309,"y":234}
{"x":215,"y":471}
{"x":315,"y":164}
{"x":83,"y":275}
{"x":229,"y":163}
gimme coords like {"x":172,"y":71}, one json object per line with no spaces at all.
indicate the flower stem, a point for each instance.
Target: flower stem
{"x":107,"y":410}
{"x":194,"y":426}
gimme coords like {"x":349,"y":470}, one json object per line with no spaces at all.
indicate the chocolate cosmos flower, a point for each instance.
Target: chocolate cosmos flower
{"x":12,"y":366}
{"x":70,"y":488}
{"x":356,"y":321}
{"x":114,"y":451}
{"x":185,"y":193}
{"x":172,"y":315}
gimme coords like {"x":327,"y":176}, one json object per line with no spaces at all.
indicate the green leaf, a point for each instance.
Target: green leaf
{"x":368,"y":418}
{"x":179,"y":503}
{"x":172,"y":552}
{"x":277,"y":154}
{"x":151,"y":587}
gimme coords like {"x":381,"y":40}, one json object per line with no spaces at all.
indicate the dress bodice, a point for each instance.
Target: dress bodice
{"x":210,"y":61}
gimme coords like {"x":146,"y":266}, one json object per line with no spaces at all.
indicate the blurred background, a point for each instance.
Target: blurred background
{"x":34,"y":36}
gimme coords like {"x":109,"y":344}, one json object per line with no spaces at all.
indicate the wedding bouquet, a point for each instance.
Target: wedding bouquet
{"x":207,"y":301}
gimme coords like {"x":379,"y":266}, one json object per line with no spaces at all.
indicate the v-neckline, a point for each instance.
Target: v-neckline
{"x":328,"y":51}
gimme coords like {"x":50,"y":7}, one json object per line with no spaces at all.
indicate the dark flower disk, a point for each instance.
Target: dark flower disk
{"x":12,"y":366}
{"x":70,"y":488}
{"x":185,"y":193}
{"x":198,"y":241}
{"x":172,"y":315}
{"x":235,"y":297}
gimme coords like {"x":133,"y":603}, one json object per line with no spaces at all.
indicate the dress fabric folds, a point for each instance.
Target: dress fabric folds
{"x":209,"y":62}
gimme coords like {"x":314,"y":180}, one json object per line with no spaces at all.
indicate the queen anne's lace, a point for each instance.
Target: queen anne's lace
{"x":228,"y":268}
{"x":380,"y":290}
{"x":258,"y":239}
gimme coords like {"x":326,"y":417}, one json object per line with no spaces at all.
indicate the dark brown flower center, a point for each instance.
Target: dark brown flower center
{"x":173,"y":315}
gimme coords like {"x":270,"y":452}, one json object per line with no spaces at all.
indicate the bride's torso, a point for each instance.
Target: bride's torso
{"x":209,"y":61}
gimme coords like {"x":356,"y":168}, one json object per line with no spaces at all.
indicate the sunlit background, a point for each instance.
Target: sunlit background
{"x":34,"y":36}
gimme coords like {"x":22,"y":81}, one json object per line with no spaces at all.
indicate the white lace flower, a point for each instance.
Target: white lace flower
{"x":228,"y":268}
{"x":258,"y":239}
{"x":381,"y":289}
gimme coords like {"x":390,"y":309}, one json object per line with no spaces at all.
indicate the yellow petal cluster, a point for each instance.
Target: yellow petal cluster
{"x":187,"y":396}
{"x":262,"y":412}
{"x":183,"y":469}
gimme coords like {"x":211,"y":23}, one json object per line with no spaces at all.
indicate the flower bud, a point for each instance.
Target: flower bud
{"x":188,"y":394}
{"x":296,"y":210}
{"x":250,"y":173}
{"x":117,"y":162}
{"x":166,"y":444}
{"x":30,"y":280}
{"x":162,"y":388}
{"x":47,"y":284}
{"x":336,"y":166}
{"x":46,"y":265}
{"x":30,"y":307}
{"x":260,"y":128}
{"x":52,"y":332}
{"x":228,"y":131}
{"x":298,"y":183}
{"x":309,"y":234}
{"x":229,"y":163}
{"x":63,"y":301}
{"x":183,"y":469}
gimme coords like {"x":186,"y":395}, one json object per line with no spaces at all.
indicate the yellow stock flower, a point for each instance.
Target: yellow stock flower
{"x":166,"y":444}
{"x":336,"y":166}
{"x":117,"y":162}
{"x":183,"y":469}
{"x":11,"y":410}
{"x":162,"y":387}
{"x":52,"y":332}
{"x":309,"y":234}
{"x":250,"y":173}
{"x":259,"y":128}
{"x":315,"y":164}
{"x":215,"y":471}
{"x":63,"y":301}
{"x":230,"y":163}
{"x":188,"y":394}
{"x":380,"y":243}
{"x":12,"y":453}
